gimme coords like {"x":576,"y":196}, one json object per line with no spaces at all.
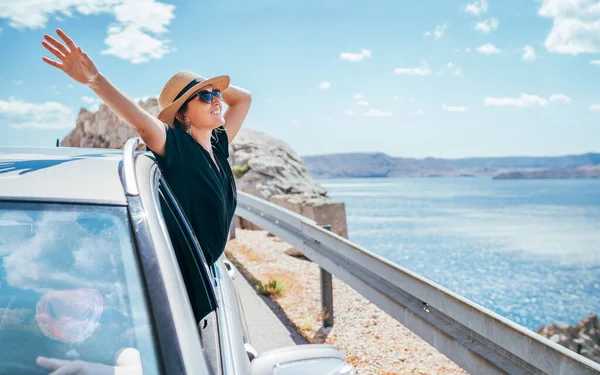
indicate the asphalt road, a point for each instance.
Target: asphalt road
{"x":267,"y":326}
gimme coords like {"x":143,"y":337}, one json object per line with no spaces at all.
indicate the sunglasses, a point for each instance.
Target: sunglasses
{"x":207,"y":96}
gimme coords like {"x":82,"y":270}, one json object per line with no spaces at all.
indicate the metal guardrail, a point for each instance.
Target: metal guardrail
{"x":475,"y":338}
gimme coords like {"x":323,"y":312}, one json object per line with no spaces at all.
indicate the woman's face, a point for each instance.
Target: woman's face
{"x":205,"y":115}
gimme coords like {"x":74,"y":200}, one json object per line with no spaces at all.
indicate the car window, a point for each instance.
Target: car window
{"x":192,"y":264}
{"x":195,"y":272}
{"x":71,"y":292}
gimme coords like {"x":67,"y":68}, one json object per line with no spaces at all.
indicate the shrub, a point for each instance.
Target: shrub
{"x":238,"y":171}
{"x":273,"y":288}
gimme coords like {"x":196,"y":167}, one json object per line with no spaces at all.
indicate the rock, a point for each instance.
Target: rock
{"x":274,"y":168}
{"x":582,"y":338}
{"x":103,"y":128}
{"x":293,"y":252}
{"x":276,"y":173}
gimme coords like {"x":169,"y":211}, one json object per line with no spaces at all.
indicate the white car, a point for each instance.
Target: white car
{"x":101,"y":274}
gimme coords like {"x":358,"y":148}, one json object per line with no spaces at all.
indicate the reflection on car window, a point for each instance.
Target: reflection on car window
{"x":71,"y":293}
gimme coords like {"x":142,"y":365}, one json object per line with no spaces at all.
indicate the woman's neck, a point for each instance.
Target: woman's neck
{"x":202,"y":136}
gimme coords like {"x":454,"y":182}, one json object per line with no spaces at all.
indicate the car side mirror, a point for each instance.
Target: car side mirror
{"x":315,"y":359}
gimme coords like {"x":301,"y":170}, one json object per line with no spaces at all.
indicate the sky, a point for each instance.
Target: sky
{"x":444,"y":78}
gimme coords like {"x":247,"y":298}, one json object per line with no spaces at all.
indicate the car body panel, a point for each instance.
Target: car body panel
{"x":235,"y":358}
{"x":61,"y":174}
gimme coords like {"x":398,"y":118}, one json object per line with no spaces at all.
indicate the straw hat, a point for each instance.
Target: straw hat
{"x":179,"y":89}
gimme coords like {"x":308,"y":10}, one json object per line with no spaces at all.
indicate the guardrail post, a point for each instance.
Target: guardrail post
{"x":232,"y":229}
{"x":327,"y":294}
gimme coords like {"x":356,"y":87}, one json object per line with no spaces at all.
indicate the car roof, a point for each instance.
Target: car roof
{"x":66,"y":174}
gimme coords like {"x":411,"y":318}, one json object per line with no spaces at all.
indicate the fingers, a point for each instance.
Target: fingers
{"x":66,"y":38}
{"x":52,"y":62}
{"x":50,"y":363}
{"x":56,"y":44}
{"x":54,"y":51}
{"x":129,"y":357}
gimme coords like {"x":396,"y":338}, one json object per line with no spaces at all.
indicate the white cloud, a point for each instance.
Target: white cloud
{"x":525,"y":100}
{"x":49,"y":115}
{"x":294,"y":122}
{"x":93,"y":104}
{"x":594,"y":107}
{"x":488,"y":49}
{"x":70,"y":85}
{"x":378,"y":113}
{"x":487,"y":26}
{"x":468,"y":49}
{"x":14,"y":318}
{"x":132,"y":44}
{"x":34,"y":14}
{"x":595,"y":62}
{"x":357,"y":96}
{"x":438,"y":31}
{"x":562,"y":98}
{"x":575,"y":28}
{"x":364,"y":103}
{"x":422,"y":70}
{"x":324,"y":85}
{"x":477,"y":7}
{"x":88,"y":100}
{"x":129,"y":38}
{"x":418,"y":112}
{"x":451,"y":108}
{"x":450,"y":68}
{"x":147,"y":15}
{"x":18,"y":82}
{"x":350,"y":112}
{"x":528,"y":53}
{"x":395,"y":98}
{"x":355,"y":57}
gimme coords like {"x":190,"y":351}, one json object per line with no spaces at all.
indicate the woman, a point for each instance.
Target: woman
{"x":189,"y":137}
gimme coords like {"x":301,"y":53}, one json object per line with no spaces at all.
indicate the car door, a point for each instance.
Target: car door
{"x":211,"y":292}
{"x":197,"y":276}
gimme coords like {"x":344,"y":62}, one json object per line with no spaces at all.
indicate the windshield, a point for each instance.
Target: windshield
{"x":71,"y":293}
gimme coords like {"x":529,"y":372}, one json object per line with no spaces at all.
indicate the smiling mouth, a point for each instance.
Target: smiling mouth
{"x":215,"y":111}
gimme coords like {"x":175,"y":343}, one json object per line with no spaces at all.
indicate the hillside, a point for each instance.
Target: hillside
{"x":382,"y":165}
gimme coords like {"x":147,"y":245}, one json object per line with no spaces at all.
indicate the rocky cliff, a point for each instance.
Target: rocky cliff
{"x":103,"y":128}
{"x":582,"y":338}
{"x":263,"y":166}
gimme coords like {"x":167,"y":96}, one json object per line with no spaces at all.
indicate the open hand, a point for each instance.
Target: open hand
{"x":68,"y":367}
{"x":128,"y":362}
{"x":74,"y":61}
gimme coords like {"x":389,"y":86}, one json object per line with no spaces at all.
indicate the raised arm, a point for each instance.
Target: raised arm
{"x":238,"y":101}
{"x":77,"y":65}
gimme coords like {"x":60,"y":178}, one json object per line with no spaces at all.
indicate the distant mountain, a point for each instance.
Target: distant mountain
{"x":382,"y":165}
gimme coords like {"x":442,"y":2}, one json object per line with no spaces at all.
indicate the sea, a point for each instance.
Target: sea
{"x":528,"y":250}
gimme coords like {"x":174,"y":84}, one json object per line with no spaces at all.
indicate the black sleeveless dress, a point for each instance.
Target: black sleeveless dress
{"x":208,"y":197}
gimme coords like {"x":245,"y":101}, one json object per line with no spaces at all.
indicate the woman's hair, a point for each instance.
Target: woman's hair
{"x":181,"y":112}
